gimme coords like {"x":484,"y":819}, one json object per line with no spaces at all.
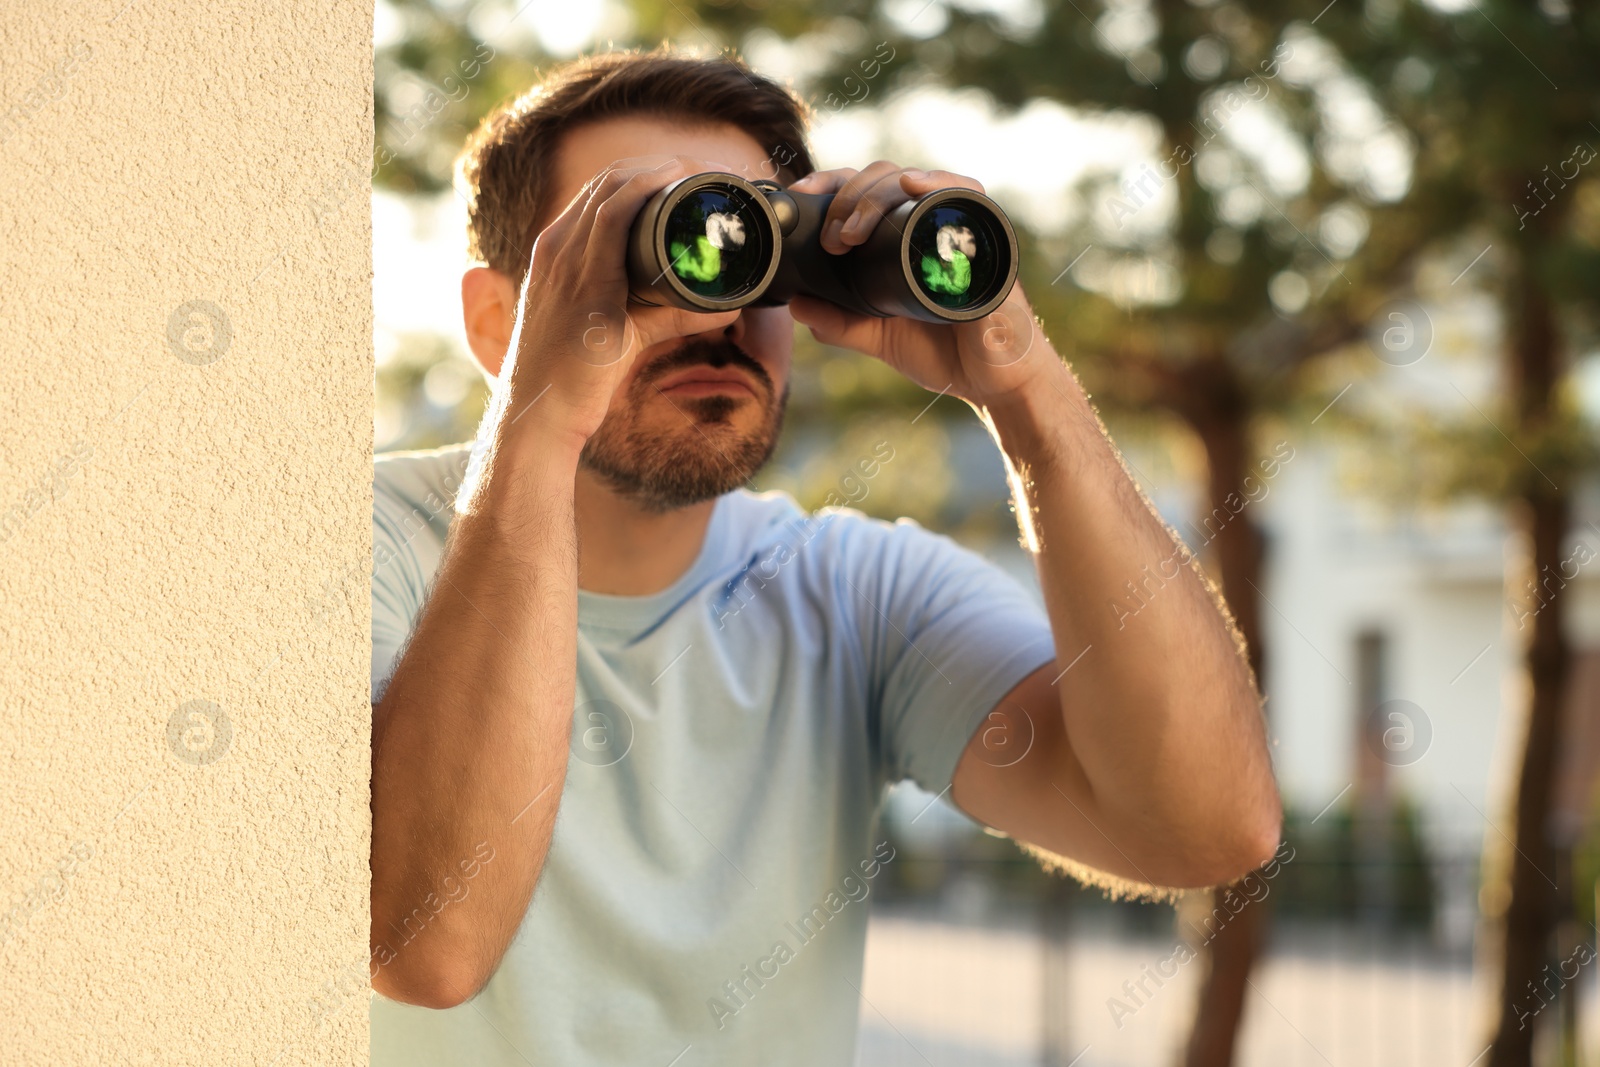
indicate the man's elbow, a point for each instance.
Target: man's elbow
{"x":1248,"y":843}
{"x":430,"y":984}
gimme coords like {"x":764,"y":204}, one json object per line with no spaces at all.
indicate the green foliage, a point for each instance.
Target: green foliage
{"x":1346,"y":868}
{"x":432,"y":88}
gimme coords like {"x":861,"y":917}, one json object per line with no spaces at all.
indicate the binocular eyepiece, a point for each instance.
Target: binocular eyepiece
{"x":716,"y":242}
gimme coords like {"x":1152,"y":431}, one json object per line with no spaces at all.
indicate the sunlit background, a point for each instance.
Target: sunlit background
{"x":1343,"y":305}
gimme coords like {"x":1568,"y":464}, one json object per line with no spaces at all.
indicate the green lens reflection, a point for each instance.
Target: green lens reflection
{"x":701,"y":261}
{"x":957,"y":254}
{"x":717,"y":241}
{"x":954,"y":277}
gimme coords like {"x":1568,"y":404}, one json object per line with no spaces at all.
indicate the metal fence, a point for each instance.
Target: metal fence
{"x":975,"y":958}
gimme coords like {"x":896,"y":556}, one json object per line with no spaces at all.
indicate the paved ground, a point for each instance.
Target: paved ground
{"x":937,"y":995}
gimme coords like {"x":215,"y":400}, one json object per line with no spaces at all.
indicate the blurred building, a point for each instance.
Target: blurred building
{"x":1393,"y":656}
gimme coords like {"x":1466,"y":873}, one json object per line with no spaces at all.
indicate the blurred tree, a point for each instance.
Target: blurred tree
{"x":1502,"y":100}
{"x":433,"y":81}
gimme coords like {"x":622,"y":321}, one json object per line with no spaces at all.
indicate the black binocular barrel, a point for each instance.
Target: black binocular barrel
{"x":950,"y":256}
{"x":715,"y":241}
{"x":708,"y":242}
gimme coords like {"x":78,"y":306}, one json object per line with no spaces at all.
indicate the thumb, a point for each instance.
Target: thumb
{"x":652,"y":325}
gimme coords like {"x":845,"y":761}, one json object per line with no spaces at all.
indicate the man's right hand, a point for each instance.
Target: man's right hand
{"x":576,"y":337}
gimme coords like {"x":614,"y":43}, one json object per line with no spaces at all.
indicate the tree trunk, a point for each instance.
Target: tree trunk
{"x":1527,"y":932}
{"x":1536,"y":881}
{"x":1238,"y":557}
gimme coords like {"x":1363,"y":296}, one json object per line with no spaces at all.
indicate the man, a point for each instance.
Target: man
{"x":633,"y":722}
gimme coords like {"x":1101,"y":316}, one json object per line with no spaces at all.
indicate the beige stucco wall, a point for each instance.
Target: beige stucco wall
{"x":185,"y":447}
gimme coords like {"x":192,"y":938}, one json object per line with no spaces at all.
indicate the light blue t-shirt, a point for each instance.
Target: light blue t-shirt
{"x":705,"y":896}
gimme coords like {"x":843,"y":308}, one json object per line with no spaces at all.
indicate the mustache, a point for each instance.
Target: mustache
{"x":717,"y":354}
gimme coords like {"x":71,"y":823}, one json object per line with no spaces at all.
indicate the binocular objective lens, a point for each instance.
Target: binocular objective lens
{"x":715,"y":243}
{"x":955,"y":254}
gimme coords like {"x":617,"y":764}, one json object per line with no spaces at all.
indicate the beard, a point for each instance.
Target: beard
{"x":706,"y":455}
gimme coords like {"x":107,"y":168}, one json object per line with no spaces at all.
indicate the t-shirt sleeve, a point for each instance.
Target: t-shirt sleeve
{"x":947,"y":635}
{"x":399,"y":585}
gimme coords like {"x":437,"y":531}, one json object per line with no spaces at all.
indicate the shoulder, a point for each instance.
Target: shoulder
{"x":413,"y":501}
{"x":411,"y":477}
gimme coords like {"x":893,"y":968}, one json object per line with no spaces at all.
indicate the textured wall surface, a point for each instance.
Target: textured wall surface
{"x":185,"y":450}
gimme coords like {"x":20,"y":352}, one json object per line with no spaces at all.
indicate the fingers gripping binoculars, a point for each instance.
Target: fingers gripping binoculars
{"x":716,"y":242}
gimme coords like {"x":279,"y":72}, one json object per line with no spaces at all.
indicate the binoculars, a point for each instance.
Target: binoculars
{"x":716,"y":242}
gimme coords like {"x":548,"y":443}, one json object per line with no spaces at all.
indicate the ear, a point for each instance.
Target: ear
{"x":489,"y":311}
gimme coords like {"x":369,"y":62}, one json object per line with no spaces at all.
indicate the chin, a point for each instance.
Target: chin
{"x":685,"y":461}
{"x":667,"y":452}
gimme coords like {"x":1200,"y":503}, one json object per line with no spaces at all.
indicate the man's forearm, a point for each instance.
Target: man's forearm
{"x":1159,"y":709}
{"x":470,"y":739}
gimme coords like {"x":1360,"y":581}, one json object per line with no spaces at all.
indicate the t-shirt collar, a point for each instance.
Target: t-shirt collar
{"x":633,"y":616}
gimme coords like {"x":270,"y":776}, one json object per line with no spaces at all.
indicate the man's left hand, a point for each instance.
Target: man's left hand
{"x":982,"y":361}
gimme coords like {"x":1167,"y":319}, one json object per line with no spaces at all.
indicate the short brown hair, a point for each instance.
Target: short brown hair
{"x":504,"y":167}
